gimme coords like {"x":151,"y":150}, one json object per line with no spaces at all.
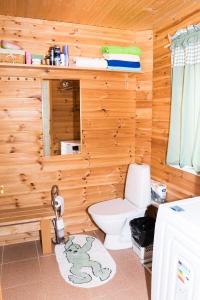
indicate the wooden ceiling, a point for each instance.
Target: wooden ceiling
{"x":123,"y":14}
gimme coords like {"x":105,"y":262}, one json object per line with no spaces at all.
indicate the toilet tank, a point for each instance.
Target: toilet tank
{"x":138,"y":185}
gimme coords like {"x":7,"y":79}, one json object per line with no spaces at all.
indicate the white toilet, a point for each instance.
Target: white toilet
{"x":113,"y":216}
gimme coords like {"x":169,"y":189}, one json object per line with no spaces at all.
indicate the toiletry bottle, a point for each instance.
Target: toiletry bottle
{"x":66,"y":53}
{"x":28,"y":57}
{"x":62,"y":59}
{"x":51,"y":56}
{"x":57,"y":55}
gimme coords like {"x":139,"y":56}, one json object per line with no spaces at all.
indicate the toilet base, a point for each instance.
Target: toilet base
{"x":115,"y":242}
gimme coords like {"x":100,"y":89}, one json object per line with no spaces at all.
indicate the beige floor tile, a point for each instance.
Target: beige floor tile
{"x":148,"y":283}
{"x":133,"y":275}
{"x":123,"y":255}
{"x":55,"y":286}
{"x":21,"y":272}
{"x":19,"y":252}
{"x":0,"y":273}
{"x":137,"y":277}
{"x":131,"y":294}
{"x":100,"y":235}
{"x":49,"y":268}
{"x":32,"y":291}
{"x":39,"y":248}
{"x":118,"y":282}
{"x":92,"y":232}
{"x":40,"y":279}
{"x":1,"y":254}
{"x":61,"y":290}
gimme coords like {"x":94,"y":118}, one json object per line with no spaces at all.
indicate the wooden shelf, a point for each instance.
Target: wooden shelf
{"x":46,"y":67}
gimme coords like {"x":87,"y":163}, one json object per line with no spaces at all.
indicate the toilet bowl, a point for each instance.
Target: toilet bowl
{"x":113,"y":216}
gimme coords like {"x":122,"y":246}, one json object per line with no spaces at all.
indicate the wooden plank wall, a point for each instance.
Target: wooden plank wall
{"x":180,"y":184}
{"x":115,"y":119}
{"x":143,"y":116}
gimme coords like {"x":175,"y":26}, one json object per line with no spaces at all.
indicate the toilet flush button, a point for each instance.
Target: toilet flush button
{"x":177,"y":208}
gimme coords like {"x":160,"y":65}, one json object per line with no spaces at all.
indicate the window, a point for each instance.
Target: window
{"x":184,"y":136}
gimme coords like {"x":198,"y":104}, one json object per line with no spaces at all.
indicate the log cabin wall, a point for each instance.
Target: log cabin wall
{"x":180,"y":184}
{"x":115,"y":121}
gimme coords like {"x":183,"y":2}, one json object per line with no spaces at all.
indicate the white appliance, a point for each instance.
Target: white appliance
{"x":113,"y":216}
{"x":70,"y":147}
{"x":176,"y":253}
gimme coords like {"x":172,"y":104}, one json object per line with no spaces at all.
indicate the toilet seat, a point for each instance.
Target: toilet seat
{"x":114,"y":207}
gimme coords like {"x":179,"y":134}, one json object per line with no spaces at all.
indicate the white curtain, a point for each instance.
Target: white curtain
{"x":184,"y":135}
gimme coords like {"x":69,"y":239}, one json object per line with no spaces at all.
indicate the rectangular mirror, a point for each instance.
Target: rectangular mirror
{"x":61,"y":116}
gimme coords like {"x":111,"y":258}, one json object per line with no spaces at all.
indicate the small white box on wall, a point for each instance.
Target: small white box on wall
{"x":70,"y":147}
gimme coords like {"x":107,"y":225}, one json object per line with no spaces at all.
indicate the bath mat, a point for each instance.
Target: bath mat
{"x":84,"y":262}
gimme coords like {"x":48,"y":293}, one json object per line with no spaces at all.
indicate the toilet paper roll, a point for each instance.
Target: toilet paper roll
{"x":60,"y":224}
{"x":59,"y":204}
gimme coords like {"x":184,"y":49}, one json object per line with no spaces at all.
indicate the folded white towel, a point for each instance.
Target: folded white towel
{"x":84,"y":62}
{"x":125,"y":57}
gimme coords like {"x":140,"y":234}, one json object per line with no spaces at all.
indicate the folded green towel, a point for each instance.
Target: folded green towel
{"x":121,"y":50}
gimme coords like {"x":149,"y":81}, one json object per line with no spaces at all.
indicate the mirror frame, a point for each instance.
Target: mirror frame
{"x":43,"y":123}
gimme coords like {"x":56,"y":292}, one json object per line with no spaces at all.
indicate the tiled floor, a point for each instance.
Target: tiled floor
{"x":28,"y":275}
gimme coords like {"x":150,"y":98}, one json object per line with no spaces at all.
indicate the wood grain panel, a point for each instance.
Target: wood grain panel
{"x":180,"y":184}
{"x":115,"y":117}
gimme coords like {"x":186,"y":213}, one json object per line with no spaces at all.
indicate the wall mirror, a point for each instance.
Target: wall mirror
{"x":61,"y":116}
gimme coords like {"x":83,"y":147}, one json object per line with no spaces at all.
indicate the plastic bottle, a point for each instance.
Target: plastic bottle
{"x":57,"y":55}
{"x":28,"y":57}
{"x":66,"y":53}
{"x":51,"y":56}
{"x":62,"y":59}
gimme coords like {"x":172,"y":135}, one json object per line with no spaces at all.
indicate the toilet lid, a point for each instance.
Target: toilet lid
{"x":112,"y":207}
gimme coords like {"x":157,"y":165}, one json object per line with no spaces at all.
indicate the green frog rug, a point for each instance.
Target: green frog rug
{"x":84,"y":261}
